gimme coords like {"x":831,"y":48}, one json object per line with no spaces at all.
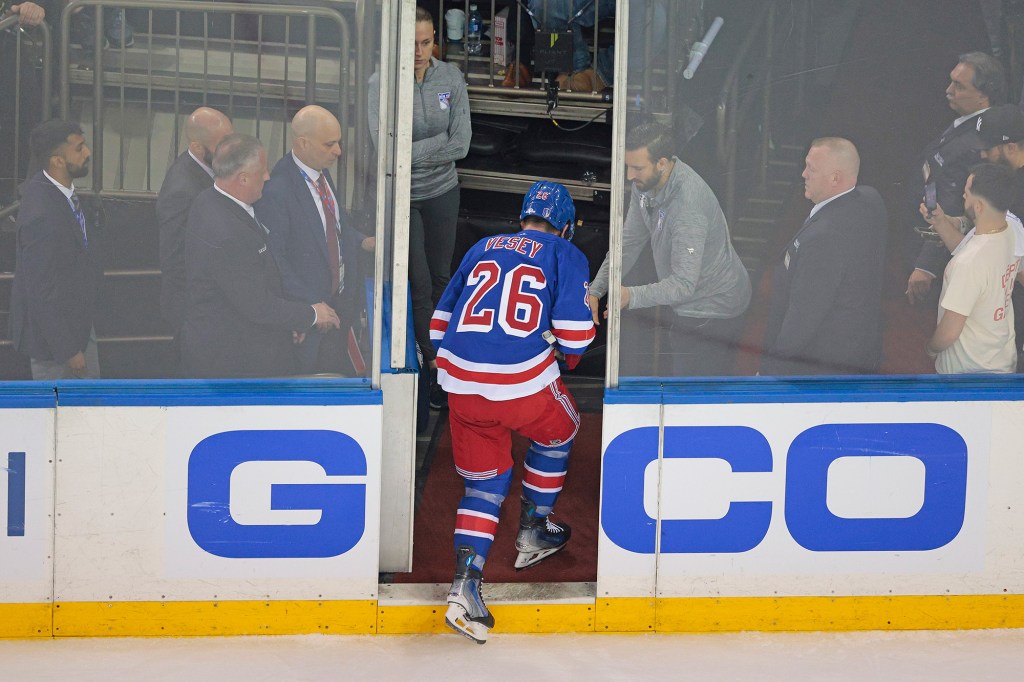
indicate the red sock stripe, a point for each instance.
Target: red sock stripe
{"x":549,"y":483}
{"x":467,"y":521}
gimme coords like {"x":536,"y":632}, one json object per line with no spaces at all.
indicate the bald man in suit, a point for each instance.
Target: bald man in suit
{"x":311,"y":243}
{"x":190,"y":174}
{"x":237,"y":323}
{"x":826,"y":312}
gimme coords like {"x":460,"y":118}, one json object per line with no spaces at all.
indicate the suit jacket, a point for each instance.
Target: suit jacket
{"x":297,"y":240}
{"x":53,"y":301}
{"x":237,"y":323}
{"x":950,"y":157}
{"x":826,"y":311}
{"x":184,"y":181}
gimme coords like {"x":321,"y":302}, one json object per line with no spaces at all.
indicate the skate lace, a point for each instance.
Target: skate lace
{"x":553,"y":527}
{"x":480,"y":593}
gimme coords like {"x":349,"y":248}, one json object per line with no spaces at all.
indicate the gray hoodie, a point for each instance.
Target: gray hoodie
{"x":699,"y":273}
{"x":440,"y":127}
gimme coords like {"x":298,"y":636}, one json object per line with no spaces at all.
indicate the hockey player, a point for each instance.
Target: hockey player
{"x":517,"y":304}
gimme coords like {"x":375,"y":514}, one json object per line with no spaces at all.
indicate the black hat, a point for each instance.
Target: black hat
{"x":1000,"y":125}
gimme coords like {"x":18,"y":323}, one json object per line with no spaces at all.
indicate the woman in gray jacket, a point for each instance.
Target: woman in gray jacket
{"x":440,"y":136}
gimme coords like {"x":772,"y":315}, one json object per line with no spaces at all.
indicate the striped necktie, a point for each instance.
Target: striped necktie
{"x":331,"y":218}
{"x":80,"y":217}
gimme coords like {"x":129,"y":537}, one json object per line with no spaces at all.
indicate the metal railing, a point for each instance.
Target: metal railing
{"x":731,"y":111}
{"x":11,"y":23}
{"x":484,"y":83}
{"x":253,"y":74}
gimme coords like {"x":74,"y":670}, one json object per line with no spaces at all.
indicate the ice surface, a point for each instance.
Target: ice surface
{"x":973,"y":655}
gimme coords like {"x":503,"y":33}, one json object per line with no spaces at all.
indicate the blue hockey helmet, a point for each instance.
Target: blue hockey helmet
{"x":551,"y":201}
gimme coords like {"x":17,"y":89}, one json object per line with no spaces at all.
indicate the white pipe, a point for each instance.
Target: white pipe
{"x":700,"y":48}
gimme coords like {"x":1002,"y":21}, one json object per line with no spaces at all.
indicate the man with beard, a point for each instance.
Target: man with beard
{"x":974,"y":333}
{"x":190,"y":174}
{"x":699,"y":274}
{"x":1001,"y":130}
{"x":53,"y":300}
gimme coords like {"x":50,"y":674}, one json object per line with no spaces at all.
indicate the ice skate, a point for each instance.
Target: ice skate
{"x":467,"y":613}
{"x":538,"y":538}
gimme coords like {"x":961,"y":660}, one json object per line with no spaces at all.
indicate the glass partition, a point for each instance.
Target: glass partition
{"x":150,"y":288}
{"x":771,"y":198}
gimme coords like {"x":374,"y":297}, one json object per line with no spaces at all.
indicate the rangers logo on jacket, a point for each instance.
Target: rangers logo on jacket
{"x":489,"y":325}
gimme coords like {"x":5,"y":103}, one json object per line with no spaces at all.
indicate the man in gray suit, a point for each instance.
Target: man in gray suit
{"x":826,"y":313}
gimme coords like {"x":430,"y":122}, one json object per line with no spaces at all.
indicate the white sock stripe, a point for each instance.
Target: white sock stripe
{"x":541,"y":490}
{"x":474,"y":533}
{"x":477,"y":475}
{"x":479,"y":515}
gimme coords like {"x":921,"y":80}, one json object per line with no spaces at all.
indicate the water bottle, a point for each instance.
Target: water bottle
{"x":474,"y":29}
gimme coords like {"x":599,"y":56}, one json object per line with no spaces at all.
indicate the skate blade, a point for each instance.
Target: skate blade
{"x":527,"y":559}
{"x":456,"y":619}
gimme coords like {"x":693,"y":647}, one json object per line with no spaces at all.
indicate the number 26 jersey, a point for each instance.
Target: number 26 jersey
{"x":490,"y":323}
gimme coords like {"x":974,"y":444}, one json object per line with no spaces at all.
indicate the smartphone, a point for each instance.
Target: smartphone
{"x":929,"y":197}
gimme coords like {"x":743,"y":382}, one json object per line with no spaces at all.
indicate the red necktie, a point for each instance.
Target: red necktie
{"x":331,"y":217}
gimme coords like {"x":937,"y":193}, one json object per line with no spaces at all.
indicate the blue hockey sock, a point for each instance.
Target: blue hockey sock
{"x":477,"y":519}
{"x":544,"y":475}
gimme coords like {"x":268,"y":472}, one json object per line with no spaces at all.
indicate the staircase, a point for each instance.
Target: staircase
{"x":754,"y":229}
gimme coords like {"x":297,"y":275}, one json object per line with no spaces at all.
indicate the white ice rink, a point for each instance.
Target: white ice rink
{"x":975,"y":655}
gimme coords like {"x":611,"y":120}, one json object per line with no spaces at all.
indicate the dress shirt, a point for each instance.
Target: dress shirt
{"x":209,"y":171}
{"x":313,"y":176}
{"x":247,"y":207}
{"x":66,"y":191}
{"x":822,"y":204}
{"x":956,"y":123}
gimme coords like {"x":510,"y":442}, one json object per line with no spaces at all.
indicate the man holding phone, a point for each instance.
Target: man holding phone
{"x":977,"y":82}
{"x":1001,"y":130}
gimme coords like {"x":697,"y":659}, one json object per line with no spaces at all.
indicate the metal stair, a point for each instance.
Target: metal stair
{"x":755,"y":225}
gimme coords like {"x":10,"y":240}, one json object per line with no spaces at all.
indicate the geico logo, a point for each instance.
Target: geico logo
{"x":16,"y":477}
{"x":810,"y":522}
{"x":276,"y":494}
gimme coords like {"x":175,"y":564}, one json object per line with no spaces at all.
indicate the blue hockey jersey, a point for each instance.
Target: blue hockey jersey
{"x":489,"y":325}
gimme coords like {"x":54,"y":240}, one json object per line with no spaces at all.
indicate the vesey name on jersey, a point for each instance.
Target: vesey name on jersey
{"x":522,"y":245}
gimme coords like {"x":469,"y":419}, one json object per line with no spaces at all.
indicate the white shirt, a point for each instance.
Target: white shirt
{"x":209,"y":171}
{"x":1014,"y":224}
{"x":247,"y":207}
{"x":956,"y":123}
{"x":66,"y":191}
{"x":821,"y":204}
{"x":977,"y":284}
{"x":314,"y":175}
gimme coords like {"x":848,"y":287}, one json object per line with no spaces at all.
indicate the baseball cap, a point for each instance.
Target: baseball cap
{"x":1001,"y":124}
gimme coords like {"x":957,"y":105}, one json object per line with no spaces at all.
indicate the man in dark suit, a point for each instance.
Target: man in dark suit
{"x":53,"y":301}
{"x":237,"y":323}
{"x":826,"y":312}
{"x":190,"y":174}
{"x":308,"y":237}
{"x":976,"y":83}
